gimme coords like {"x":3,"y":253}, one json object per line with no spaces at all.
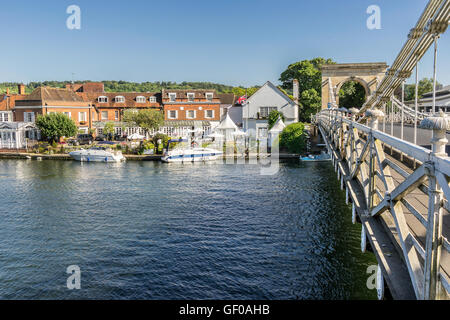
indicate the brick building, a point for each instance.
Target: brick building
{"x":192,"y":105}
{"x":46,"y":100}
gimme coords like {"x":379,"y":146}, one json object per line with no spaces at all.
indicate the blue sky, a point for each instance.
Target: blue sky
{"x":237,"y":42}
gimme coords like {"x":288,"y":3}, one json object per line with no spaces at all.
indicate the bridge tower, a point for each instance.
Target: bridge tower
{"x":335,"y":75}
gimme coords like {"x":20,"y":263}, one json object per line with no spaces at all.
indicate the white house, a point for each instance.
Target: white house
{"x":256,"y":110}
{"x":15,"y":135}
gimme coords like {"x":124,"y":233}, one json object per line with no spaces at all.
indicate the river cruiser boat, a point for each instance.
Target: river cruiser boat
{"x":192,"y":154}
{"x":97,"y":154}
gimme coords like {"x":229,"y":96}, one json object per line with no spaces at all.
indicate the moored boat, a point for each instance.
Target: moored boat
{"x":317,"y":158}
{"x":194,"y":154}
{"x":97,"y":154}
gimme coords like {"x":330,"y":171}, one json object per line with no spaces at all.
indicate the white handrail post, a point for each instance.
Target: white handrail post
{"x":439,"y":124}
{"x":373,"y":116}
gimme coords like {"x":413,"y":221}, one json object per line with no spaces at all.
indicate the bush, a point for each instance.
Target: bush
{"x":293,"y":138}
{"x":164,"y":138}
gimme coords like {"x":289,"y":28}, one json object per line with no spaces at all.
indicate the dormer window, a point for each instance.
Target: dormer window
{"x":190,"y":97}
{"x":152,"y":99}
{"x":102,"y":99}
{"x":119,"y":99}
{"x":209,"y":96}
{"x":140,"y":99}
{"x":172,"y":97}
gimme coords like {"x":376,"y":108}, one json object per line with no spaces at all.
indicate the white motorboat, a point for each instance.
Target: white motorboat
{"x":190,"y":154}
{"x":97,"y":154}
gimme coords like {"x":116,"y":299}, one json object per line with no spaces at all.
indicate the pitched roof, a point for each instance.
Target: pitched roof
{"x":227,"y":123}
{"x":227,"y":98}
{"x":130,"y":98}
{"x":46,"y":94}
{"x":443,"y":91}
{"x":278,"y":126}
{"x":7,"y":102}
{"x":273,"y":87}
{"x":182,"y":93}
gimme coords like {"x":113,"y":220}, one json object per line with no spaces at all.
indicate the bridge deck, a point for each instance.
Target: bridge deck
{"x":381,"y":230}
{"x":420,"y":201}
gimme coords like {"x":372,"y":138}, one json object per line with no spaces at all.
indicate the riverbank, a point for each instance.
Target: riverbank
{"x":129,"y":157}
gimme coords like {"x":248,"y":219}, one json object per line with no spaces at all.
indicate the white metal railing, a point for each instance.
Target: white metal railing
{"x":391,"y":189}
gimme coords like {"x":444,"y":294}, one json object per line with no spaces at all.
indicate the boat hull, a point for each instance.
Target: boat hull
{"x":86,"y":156}
{"x":196,"y":155}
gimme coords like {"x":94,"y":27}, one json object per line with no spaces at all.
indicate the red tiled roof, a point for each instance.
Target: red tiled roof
{"x":130,"y":99}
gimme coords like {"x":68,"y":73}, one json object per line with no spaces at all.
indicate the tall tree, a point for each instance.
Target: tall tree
{"x":425,"y":85}
{"x":53,"y":126}
{"x":309,"y":75}
{"x":147,"y":119}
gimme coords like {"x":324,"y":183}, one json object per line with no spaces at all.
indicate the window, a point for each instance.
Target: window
{"x":173,"y":114}
{"x":116,"y":115}
{"x":104,"y":115}
{"x":265,"y":111}
{"x":209,"y":96}
{"x":103,"y":99}
{"x":190,"y":97}
{"x":93,"y":115}
{"x":172,"y":97}
{"x":4,"y":117}
{"x":119,"y":99}
{"x":28,"y":116}
{"x":68,"y":114}
{"x":82,"y":116}
{"x":209,"y":113}
{"x":190,"y":114}
{"x":140,"y":99}
{"x":262,"y":132}
{"x":100,"y":131}
{"x":153,"y":99}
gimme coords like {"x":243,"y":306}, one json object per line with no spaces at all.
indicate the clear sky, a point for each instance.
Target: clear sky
{"x":236,"y":42}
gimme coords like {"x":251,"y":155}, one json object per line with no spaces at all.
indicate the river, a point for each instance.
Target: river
{"x":148,"y":230}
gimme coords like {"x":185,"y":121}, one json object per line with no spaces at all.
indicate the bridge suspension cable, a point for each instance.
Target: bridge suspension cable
{"x":433,"y":22}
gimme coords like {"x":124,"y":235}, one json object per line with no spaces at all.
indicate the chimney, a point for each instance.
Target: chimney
{"x":21,"y":89}
{"x":295,"y":90}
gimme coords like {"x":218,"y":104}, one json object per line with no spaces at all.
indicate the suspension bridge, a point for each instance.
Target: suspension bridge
{"x":392,"y":162}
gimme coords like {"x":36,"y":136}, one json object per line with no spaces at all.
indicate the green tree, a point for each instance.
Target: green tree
{"x":108,"y":130}
{"x":425,"y":85}
{"x":147,"y":119}
{"x":309,"y":75}
{"x":273,"y":117}
{"x":352,"y":95}
{"x":53,"y":126}
{"x":293,"y":138}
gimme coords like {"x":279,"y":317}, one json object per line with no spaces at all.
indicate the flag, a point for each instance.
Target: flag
{"x":242,"y":99}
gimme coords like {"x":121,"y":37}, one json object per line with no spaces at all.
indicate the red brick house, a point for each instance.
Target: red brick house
{"x":45,"y":100}
{"x":194,"y":105}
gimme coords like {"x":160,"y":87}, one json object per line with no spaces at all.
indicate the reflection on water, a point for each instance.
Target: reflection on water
{"x":147,"y":230}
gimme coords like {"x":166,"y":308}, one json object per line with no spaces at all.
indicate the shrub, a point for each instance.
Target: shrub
{"x":293,"y":138}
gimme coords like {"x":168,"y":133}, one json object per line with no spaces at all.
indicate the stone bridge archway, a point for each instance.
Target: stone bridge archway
{"x":335,"y":75}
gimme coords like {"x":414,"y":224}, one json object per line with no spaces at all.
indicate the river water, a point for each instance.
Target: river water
{"x":148,"y":230}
